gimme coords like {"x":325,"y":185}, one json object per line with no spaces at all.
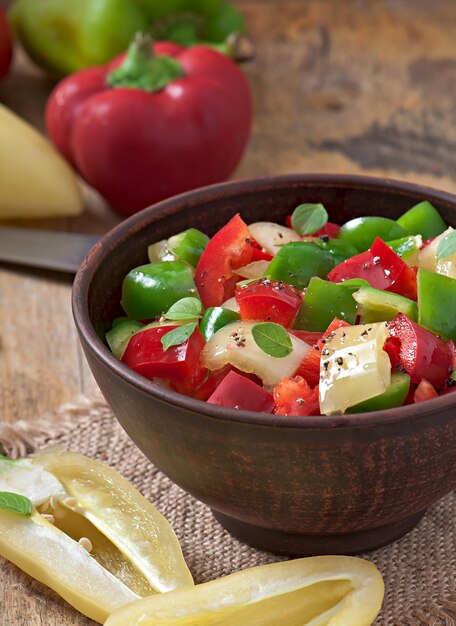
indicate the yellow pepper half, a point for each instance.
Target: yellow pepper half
{"x":91,"y":537}
{"x":317,"y":591}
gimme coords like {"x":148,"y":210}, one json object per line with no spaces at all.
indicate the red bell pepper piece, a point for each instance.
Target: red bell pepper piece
{"x":309,"y":336}
{"x":268,"y":300}
{"x":228,"y":250}
{"x":180,"y":365}
{"x":328,"y":230}
{"x":157,"y":132}
{"x":382,"y":267}
{"x":238,"y":392}
{"x":422,"y":354}
{"x":6,"y":44}
{"x":294,"y":396}
{"x":424,"y":391}
{"x":257,"y":252}
{"x":310,"y":365}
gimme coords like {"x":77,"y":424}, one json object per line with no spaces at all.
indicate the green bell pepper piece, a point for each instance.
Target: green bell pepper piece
{"x":362,"y":231}
{"x":423,"y":219}
{"x":118,"y":337}
{"x":376,"y":305}
{"x":118,"y":321}
{"x":188,"y":246}
{"x":394,"y":396}
{"x":150,"y":290}
{"x":64,"y":36}
{"x":216,"y":318}
{"x":338,"y":249}
{"x":407,"y":247}
{"x":437,"y":303}
{"x":323,"y":301}
{"x":297,"y":262}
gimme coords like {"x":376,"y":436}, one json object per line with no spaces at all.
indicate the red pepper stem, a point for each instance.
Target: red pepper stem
{"x":143,"y":69}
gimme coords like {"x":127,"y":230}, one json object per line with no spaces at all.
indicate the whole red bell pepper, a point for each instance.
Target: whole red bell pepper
{"x":6,"y":44}
{"x":153,"y":123}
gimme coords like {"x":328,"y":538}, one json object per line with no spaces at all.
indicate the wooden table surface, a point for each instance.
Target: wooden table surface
{"x":360,"y":86}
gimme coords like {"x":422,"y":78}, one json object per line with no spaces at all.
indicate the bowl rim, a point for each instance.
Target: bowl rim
{"x":133,"y":224}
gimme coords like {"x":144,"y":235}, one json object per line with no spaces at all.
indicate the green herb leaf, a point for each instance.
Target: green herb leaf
{"x":273,"y":339}
{"x":15,"y":503}
{"x":5,"y":458}
{"x":185,"y":309}
{"x":447,"y":246}
{"x":453,"y":375}
{"x":178,"y":335}
{"x":308,"y":218}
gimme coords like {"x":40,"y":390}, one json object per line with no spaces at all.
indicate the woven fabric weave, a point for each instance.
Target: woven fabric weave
{"x":418,"y":570}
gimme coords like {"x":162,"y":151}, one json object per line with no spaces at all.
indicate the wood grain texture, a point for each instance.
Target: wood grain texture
{"x":358,"y":86}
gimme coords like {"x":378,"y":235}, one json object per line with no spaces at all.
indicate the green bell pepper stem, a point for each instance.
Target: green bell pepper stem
{"x":376,"y":305}
{"x":297,"y":262}
{"x":118,"y":337}
{"x":362,"y":231}
{"x":394,"y":396}
{"x":142,"y":69}
{"x":423,"y":219}
{"x":150,"y":290}
{"x":437,"y":303}
{"x":216,"y":318}
{"x":323,"y":301}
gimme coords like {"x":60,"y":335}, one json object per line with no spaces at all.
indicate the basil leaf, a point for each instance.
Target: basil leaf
{"x":308,"y":218}
{"x":5,"y":458}
{"x":447,"y":246}
{"x":178,"y":335}
{"x":15,"y":503}
{"x":453,"y":375}
{"x":185,"y":309}
{"x":273,"y":339}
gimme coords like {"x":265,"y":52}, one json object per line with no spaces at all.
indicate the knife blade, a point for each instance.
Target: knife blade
{"x":45,"y":249}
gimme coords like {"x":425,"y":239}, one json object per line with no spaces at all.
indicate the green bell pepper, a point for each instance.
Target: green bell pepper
{"x":323,"y":302}
{"x":150,"y":290}
{"x":186,"y":246}
{"x":216,"y":318}
{"x":362,"y":231}
{"x":394,"y":396}
{"x":423,"y":219}
{"x":407,"y":248}
{"x":297,"y":262}
{"x":65,"y":36}
{"x":376,"y":305}
{"x":338,"y":249}
{"x":118,"y":337}
{"x":437,"y":303}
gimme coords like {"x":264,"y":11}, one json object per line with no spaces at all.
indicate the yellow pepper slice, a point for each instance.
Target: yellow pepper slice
{"x":82,"y":506}
{"x":316,"y":591}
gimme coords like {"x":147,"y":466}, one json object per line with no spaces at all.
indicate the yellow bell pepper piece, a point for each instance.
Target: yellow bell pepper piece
{"x":317,"y":591}
{"x":35,"y":181}
{"x":82,"y":506}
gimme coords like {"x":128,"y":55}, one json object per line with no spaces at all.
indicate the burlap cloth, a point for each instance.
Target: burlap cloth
{"x":418,"y":570}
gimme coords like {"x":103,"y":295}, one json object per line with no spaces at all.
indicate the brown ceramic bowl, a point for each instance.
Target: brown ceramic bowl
{"x":299,"y":485}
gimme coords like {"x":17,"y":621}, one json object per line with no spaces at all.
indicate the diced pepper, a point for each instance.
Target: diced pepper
{"x":294,"y":396}
{"x":375,"y":305}
{"x":328,"y":230}
{"x":361,"y":232}
{"x":422,"y":219}
{"x":186,"y":246}
{"x":395,"y":395}
{"x":322,"y":302}
{"x":308,"y":336}
{"x":227,"y":250}
{"x":238,"y":392}
{"x":150,"y":290}
{"x":321,"y":590}
{"x":82,"y":506}
{"x":424,"y":391}
{"x":297,"y":262}
{"x":353,"y":367}
{"x":258,"y":253}
{"x":268,"y":300}
{"x":408,"y":248}
{"x":310,"y":365}
{"x":214,"y":319}
{"x":337,"y":249}
{"x":437,"y":303}
{"x":382,"y":267}
{"x":180,"y":364}
{"x":422,"y":353}
{"x":118,"y":337}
